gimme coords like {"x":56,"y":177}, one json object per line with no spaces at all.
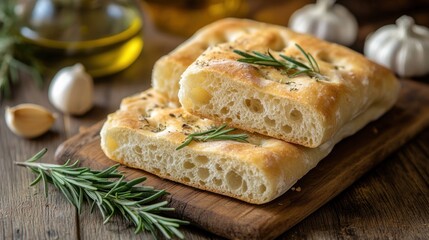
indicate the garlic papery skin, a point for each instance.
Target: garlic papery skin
{"x":326,"y":20}
{"x":404,"y":47}
{"x":71,"y":90}
{"x":29,"y":120}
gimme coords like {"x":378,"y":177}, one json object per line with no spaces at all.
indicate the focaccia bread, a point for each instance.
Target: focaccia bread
{"x":168,"y":69}
{"x":145,"y":132}
{"x":264,"y":99}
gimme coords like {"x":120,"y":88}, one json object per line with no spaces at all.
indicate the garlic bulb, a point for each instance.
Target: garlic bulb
{"x":29,"y":120}
{"x":404,"y":47}
{"x":71,"y":90}
{"x":326,"y":20}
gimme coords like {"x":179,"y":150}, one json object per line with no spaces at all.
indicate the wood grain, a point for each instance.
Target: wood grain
{"x":25,"y":213}
{"x":231,"y":218}
{"x":389,"y":202}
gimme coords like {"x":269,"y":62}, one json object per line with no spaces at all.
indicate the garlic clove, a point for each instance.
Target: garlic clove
{"x":29,"y":120}
{"x":71,"y":90}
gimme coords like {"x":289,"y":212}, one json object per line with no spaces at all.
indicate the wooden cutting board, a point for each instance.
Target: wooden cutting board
{"x":231,"y":218}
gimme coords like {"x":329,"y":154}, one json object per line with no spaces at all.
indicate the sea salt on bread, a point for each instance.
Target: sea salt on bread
{"x":145,"y":132}
{"x":168,"y":69}
{"x":264,"y":99}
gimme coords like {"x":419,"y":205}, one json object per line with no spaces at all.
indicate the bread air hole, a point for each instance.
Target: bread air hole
{"x":262,"y":188}
{"x":276,"y":101}
{"x":203,"y":173}
{"x":286,"y":128}
{"x":233,"y":180}
{"x":217,"y":182}
{"x":224,"y":110}
{"x":254,"y":105}
{"x":186,"y":179}
{"x":152,"y":147}
{"x":137,"y":150}
{"x":244,"y":186}
{"x":232,"y":90}
{"x":269,"y":121}
{"x":202,"y":159}
{"x":295,"y":115}
{"x":188,"y":165}
{"x":308,"y":141}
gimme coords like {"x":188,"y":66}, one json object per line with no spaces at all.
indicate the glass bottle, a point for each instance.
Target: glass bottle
{"x":184,"y":17}
{"x":103,"y":35}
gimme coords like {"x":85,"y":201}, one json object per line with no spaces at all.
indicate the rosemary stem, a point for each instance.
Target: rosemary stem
{"x":293,"y":67}
{"x":109,"y":191}
{"x":219,"y":133}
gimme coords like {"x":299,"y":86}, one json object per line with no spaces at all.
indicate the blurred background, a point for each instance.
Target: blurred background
{"x":40,"y":37}
{"x":184,"y":17}
{"x":107,"y":36}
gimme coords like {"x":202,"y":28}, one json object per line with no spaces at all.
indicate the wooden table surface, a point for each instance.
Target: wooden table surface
{"x":389,"y":202}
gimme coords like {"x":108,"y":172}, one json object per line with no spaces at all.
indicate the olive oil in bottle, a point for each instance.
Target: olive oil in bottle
{"x":184,"y":17}
{"x":103,"y":35}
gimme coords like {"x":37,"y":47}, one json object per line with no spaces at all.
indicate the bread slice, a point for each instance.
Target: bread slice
{"x":145,"y":132}
{"x":168,"y":69}
{"x":264,"y":99}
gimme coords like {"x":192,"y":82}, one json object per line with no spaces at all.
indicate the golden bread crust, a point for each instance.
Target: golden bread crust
{"x":147,"y":119}
{"x":168,"y":69}
{"x":353,"y":85}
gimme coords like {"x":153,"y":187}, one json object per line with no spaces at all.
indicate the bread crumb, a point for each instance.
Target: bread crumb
{"x":296,"y":189}
{"x":374,"y":130}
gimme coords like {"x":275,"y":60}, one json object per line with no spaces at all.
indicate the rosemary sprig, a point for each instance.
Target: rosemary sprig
{"x":219,"y":133}
{"x":108,"y":191}
{"x":292,"y":66}
{"x":16,"y":56}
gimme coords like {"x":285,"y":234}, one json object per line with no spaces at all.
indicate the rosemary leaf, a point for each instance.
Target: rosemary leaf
{"x":16,"y":55}
{"x":219,"y":133}
{"x":110,"y":193}
{"x":293,"y":66}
